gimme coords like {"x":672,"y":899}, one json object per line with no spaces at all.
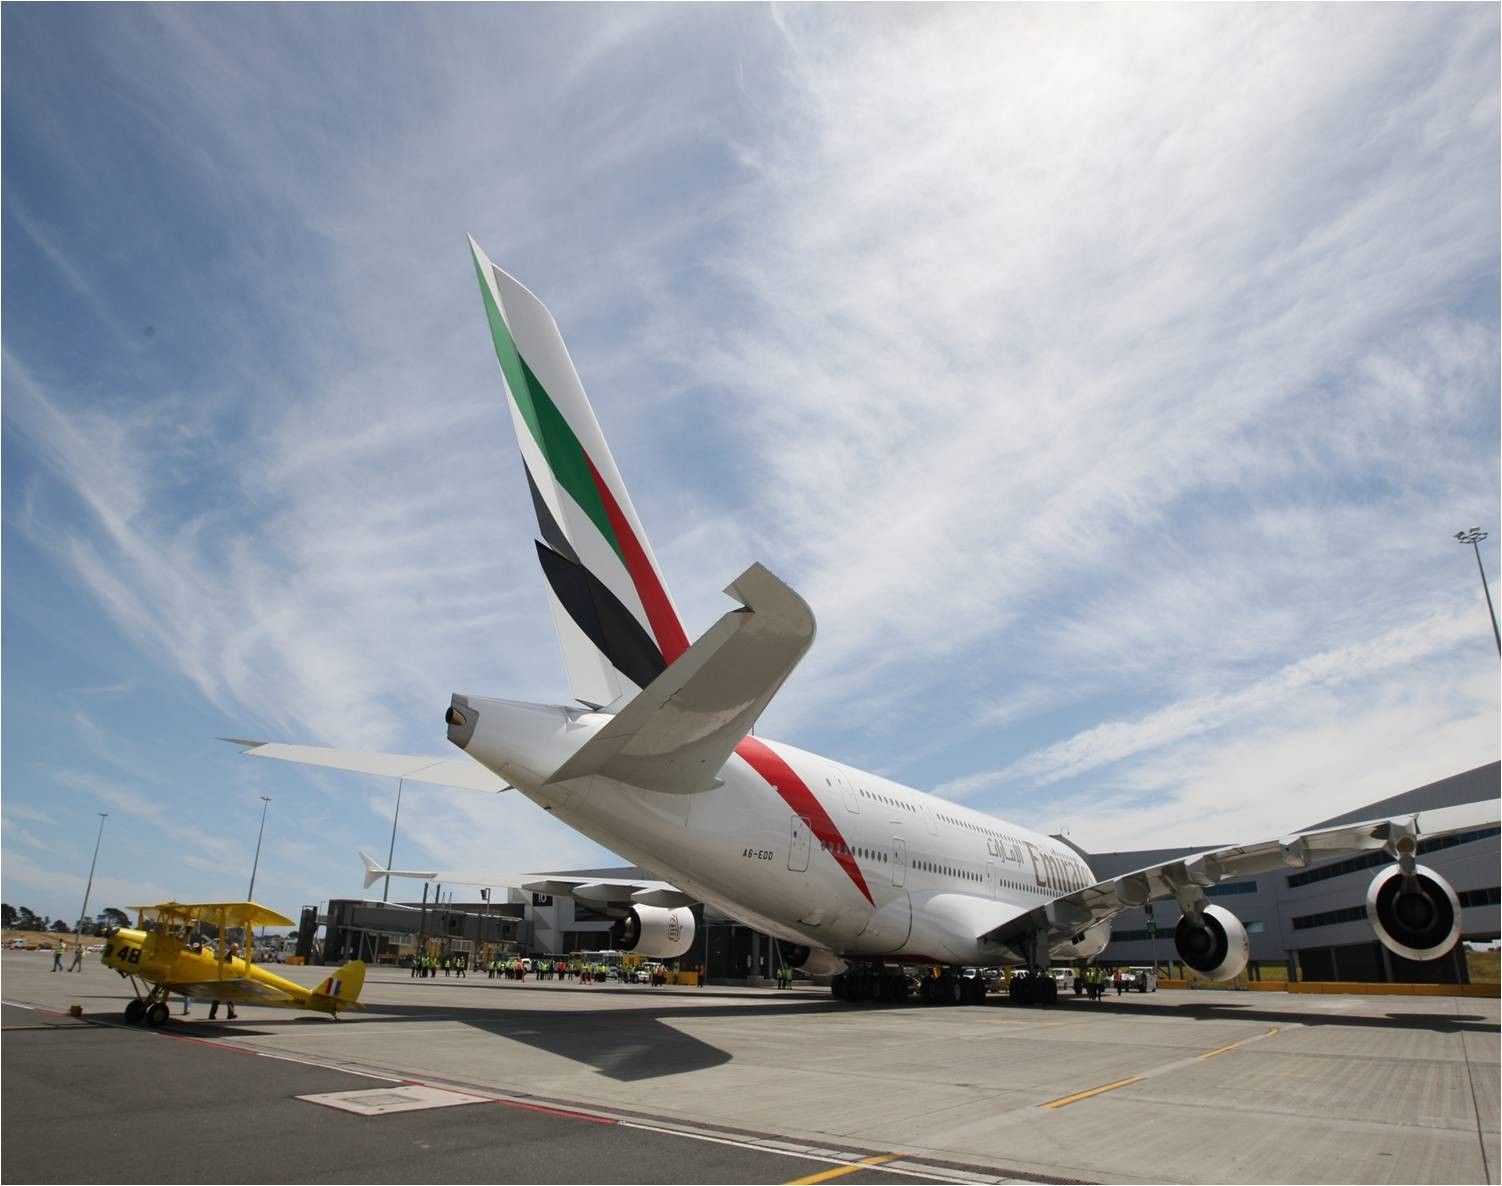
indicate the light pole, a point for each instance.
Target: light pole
{"x":1474,"y":537}
{"x":89,"y":888}
{"x":391,"y":852}
{"x":250,"y":894}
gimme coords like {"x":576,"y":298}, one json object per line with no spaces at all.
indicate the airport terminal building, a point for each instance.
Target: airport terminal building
{"x":1311,"y":922}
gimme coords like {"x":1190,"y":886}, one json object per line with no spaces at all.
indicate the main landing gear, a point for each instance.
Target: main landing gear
{"x":873,"y":982}
{"x":1034,"y":988}
{"x":152,"y":1009}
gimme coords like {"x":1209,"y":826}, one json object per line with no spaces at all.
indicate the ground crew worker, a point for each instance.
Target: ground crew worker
{"x":1117,"y":981}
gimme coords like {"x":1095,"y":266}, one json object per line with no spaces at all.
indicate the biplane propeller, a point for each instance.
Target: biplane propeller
{"x":165,"y":951}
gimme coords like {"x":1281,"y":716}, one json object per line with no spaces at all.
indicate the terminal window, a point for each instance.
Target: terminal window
{"x":1230,"y":889}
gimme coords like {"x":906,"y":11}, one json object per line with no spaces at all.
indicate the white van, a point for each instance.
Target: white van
{"x":1142,"y":979}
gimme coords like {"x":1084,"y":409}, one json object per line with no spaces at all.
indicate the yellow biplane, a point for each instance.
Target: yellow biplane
{"x":165,"y":950}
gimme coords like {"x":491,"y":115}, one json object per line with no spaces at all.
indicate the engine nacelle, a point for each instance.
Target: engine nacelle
{"x":1218,"y":948}
{"x":659,"y":932}
{"x":816,"y":961}
{"x":1419,"y":920}
{"x":1086,"y":945}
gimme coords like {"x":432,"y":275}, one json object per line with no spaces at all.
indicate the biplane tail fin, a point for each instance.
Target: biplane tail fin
{"x":341,"y":990}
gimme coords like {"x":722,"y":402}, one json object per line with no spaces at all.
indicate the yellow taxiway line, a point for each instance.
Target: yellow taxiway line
{"x":1212,"y":1053}
{"x":840,"y":1171}
{"x":1084,"y":1095}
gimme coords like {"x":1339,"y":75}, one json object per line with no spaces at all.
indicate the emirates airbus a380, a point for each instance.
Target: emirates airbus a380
{"x":853,"y":873}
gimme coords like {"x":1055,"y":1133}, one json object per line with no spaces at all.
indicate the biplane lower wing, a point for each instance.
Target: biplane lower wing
{"x":242,"y":990}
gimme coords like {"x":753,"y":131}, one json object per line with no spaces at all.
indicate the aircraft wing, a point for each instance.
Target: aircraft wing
{"x":236,"y":914}
{"x":1071,"y":914}
{"x":677,"y":732}
{"x":591,"y":891}
{"x":464,"y":773}
{"x":242,"y":990}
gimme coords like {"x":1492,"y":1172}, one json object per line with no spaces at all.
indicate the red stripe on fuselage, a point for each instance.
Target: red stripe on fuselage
{"x":654,"y":598}
{"x":796,"y":794}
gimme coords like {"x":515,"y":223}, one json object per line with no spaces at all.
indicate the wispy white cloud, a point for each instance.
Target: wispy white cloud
{"x":21,"y":811}
{"x":1110,"y":381}
{"x":1111,"y":742}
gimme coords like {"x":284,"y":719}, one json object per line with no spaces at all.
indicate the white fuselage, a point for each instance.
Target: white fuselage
{"x":796,"y":845}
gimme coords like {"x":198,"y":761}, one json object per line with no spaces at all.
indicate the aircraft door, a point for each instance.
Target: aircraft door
{"x":798,"y":849}
{"x":899,"y":861}
{"x":851,"y":795}
{"x":991,"y":879}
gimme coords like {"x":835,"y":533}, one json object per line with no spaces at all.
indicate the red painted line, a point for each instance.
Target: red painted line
{"x":796,"y":794}
{"x":654,"y":598}
{"x":567,"y":1115}
{"x":508,"y":1103}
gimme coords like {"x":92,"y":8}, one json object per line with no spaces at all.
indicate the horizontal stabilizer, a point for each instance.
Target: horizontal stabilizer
{"x":611,"y":892}
{"x":464,"y":773}
{"x":677,"y":732}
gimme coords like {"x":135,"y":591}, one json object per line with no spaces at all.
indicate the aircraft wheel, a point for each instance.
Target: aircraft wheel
{"x":956,"y":991}
{"x":900,"y":989}
{"x":839,"y":987}
{"x":975,"y":991}
{"x":135,"y":1012}
{"x":1050,"y":993}
{"x":157,"y":1014}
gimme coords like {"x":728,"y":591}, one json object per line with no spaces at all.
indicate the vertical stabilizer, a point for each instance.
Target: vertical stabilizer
{"x":615,"y":619}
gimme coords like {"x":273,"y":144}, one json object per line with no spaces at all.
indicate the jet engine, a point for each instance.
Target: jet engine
{"x":1417,"y":917}
{"x":1086,"y":945}
{"x":1217,"y":947}
{"x":658,"y":932}
{"x":816,"y":961}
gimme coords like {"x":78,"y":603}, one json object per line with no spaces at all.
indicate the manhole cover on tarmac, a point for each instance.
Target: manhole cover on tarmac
{"x":381,"y":1100}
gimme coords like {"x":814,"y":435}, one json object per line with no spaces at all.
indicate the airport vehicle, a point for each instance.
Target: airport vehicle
{"x":1143,"y":979}
{"x":164,"y":951}
{"x":854,"y":874}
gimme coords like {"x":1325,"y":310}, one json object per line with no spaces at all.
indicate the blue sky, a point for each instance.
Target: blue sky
{"x":1110,"y":380}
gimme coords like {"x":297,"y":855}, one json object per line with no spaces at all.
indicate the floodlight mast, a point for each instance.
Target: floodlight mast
{"x":1474,"y":537}
{"x":88,"y":889}
{"x":250,"y":894}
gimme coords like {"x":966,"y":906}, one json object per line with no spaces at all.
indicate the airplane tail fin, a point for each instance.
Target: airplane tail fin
{"x":616,"y":622}
{"x":342,"y":989}
{"x":373,"y":870}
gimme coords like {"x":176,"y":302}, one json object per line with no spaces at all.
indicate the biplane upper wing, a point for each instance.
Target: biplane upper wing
{"x":236,"y":914}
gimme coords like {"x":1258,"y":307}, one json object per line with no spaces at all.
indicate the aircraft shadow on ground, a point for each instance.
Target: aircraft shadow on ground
{"x":639,"y":1044}
{"x":627,"y":1045}
{"x":1253,"y":1010}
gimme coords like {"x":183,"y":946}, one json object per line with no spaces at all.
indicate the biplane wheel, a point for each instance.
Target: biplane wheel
{"x":158,"y":1014}
{"x":135,"y":1012}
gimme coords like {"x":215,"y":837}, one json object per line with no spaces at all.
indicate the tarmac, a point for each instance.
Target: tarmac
{"x":493,"y":1080}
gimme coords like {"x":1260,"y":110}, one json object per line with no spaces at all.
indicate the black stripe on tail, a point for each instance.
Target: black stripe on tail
{"x":605,"y":621}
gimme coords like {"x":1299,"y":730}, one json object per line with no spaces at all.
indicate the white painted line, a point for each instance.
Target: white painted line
{"x":831,"y":1158}
{"x":384,"y":1100}
{"x":322,"y":1065}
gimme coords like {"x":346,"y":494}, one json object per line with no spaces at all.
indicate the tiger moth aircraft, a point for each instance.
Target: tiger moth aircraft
{"x":164,"y":950}
{"x":854,"y":874}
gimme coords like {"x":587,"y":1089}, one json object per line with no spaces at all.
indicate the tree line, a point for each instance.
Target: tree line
{"x":26,"y":919}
